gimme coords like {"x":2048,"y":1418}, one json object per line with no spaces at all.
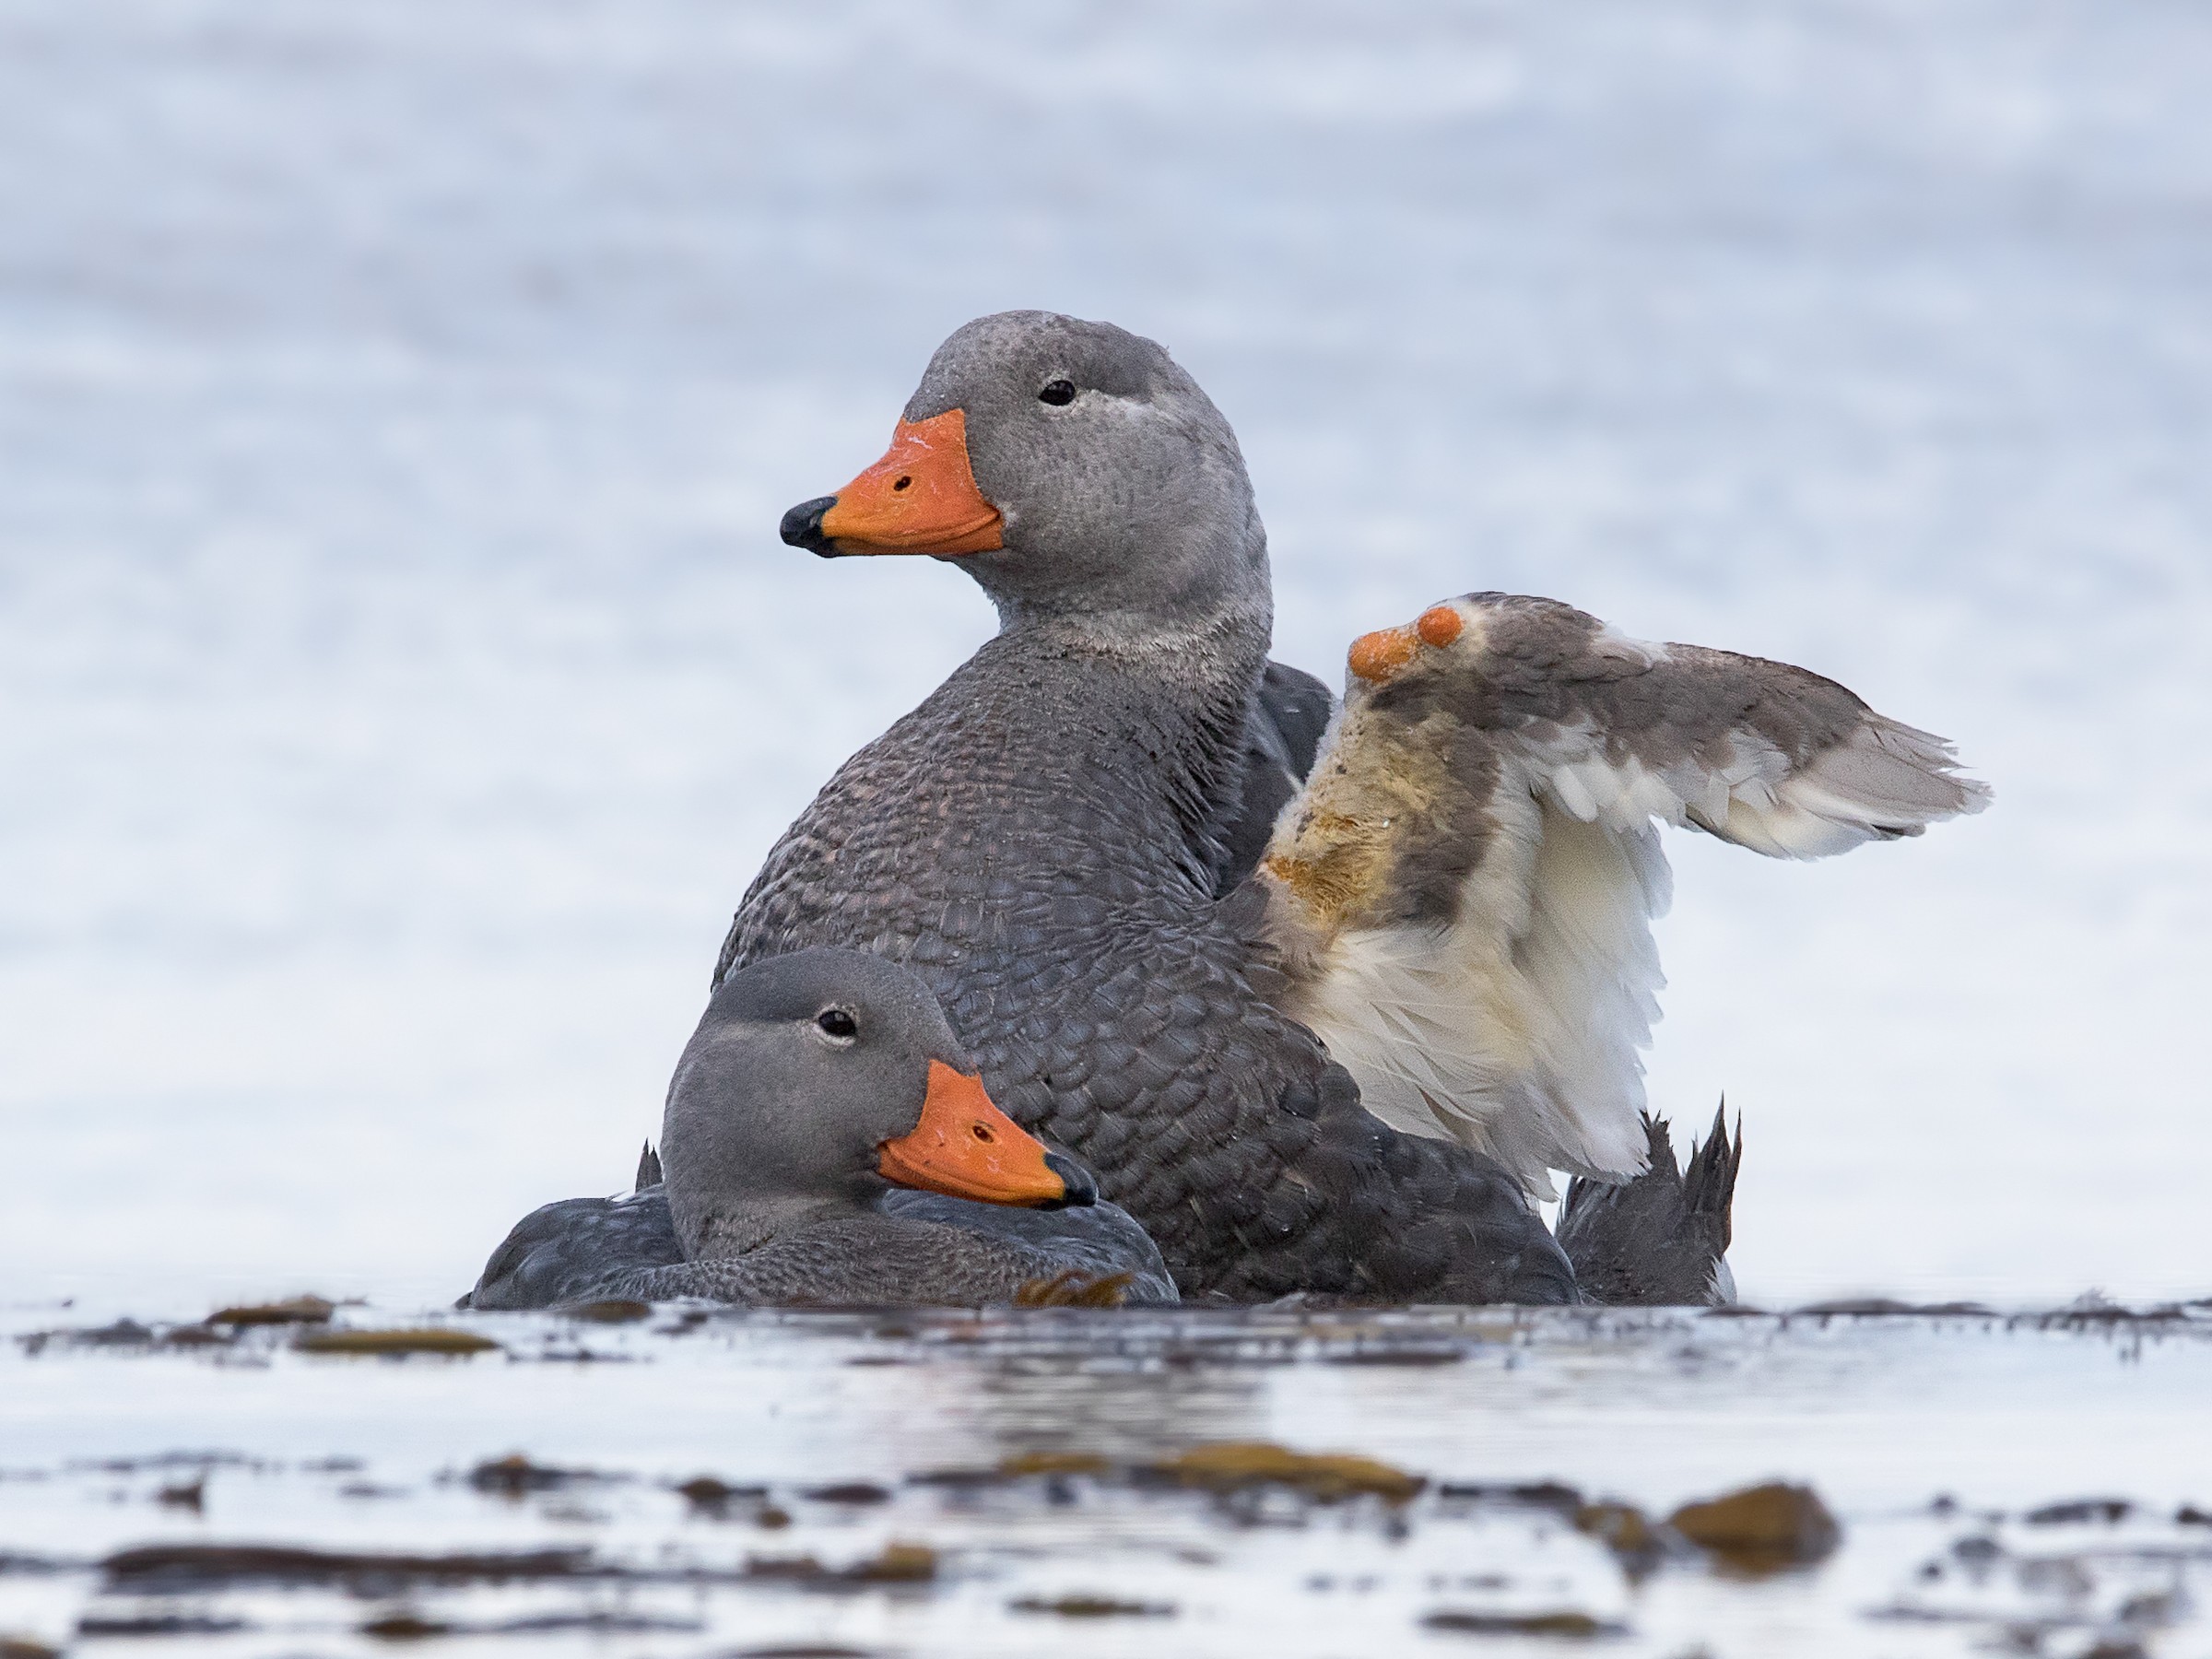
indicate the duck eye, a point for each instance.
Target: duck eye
{"x":1057,"y":392}
{"x":836,"y":1023}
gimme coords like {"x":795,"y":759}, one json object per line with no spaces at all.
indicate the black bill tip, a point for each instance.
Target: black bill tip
{"x":1082,"y":1191}
{"x":802,"y":526}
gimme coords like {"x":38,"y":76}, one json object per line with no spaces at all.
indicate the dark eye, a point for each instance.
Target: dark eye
{"x":1057,"y":392}
{"x":836,"y":1023}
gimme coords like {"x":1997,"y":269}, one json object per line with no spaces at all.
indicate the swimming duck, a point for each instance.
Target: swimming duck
{"x":826,"y":1141}
{"x":1043,"y":841}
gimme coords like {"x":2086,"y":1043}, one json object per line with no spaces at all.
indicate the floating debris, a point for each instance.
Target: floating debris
{"x":197,"y":1462}
{"x":900,"y":1563}
{"x":159,"y":1624}
{"x":198,"y":1566}
{"x":197,"y":1335}
{"x":297,"y":1309}
{"x":1051,"y":1463}
{"x":2076,"y":1511}
{"x":424,"y":1339}
{"x":848,"y":1491}
{"x":1577,"y":1626}
{"x":413,"y":1627}
{"x":189,"y":1494}
{"x":121,"y":1333}
{"x":1760,"y":1528}
{"x":405,"y":1626}
{"x":1093,"y":1606}
{"x":514,"y":1475}
{"x":704,"y":1492}
{"x":1328,"y":1476}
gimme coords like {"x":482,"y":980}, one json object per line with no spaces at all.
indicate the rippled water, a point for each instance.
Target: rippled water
{"x":400,"y":680}
{"x":1949,"y":1449}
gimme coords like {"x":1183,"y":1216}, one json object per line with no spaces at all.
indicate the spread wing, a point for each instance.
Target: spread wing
{"x":1461,"y":897}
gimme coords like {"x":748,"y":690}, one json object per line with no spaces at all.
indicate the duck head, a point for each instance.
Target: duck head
{"x":815,"y":1081}
{"x":1075,"y":471}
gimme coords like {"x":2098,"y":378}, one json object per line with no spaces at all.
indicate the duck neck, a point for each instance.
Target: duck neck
{"x":1176,"y":694}
{"x":1174,"y":597}
{"x":1194,"y":623}
{"x":1225,"y":643}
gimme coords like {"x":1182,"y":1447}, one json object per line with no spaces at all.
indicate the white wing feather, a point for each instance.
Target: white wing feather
{"x":1516,"y":1027}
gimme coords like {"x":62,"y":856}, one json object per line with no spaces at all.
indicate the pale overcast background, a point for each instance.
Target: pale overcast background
{"x":400,"y":677}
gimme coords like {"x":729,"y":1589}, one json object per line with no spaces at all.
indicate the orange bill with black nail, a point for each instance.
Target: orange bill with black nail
{"x":966,"y":1147}
{"x":921,"y":498}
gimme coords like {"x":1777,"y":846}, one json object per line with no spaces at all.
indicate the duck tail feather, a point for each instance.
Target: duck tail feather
{"x":1709,"y":1181}
{"x":1661,"y":1239}
{"x":649,"y":1170}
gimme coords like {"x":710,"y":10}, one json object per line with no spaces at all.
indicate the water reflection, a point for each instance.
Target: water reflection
{"x":1122,"y":1411}
{"x":798,"y":1410}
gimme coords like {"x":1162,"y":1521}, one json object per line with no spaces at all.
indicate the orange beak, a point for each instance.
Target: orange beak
{"x":1376,"y":656}
{"x":967,"y":1147}
{"x":921,"y":498}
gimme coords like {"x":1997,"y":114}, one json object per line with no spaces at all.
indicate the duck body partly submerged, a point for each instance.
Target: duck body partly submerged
{"x":1450,"y":916}
{"x":582,"y":1250}
{"x":827,"y":1142}
{"x":923,"y":1248}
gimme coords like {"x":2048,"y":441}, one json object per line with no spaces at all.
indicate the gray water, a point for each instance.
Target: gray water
{"x":402,"y":678}
{"x":1952,"y":1452}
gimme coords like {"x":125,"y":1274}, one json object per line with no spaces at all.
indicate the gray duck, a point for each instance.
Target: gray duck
{"x":1321,"y":1007}
{"x":1349,"y":1069}
{"x":826,"y":1141}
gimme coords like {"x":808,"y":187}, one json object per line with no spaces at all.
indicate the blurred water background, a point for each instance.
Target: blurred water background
{"x":400,"y":677}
